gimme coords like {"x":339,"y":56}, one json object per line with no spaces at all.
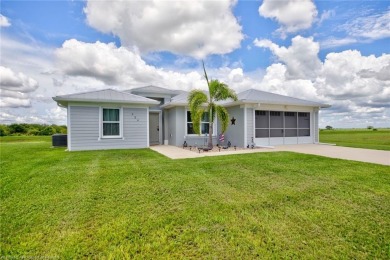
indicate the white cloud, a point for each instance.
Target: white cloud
{"x":301,"y":57}
{"x":326,"y":15}
{"x":372,"y":27}
{"x":292,"y":15}
{"x":334,"y":42}
{"x":14,"y":88}
{"x":367,"y":28}
{"x":119,"y":67}
{"x":344,"y":75}
{"x":9,"y":80}
{"x":4,"y":22}
{"x":194,"y":28}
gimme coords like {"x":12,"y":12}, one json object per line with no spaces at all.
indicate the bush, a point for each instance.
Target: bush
{"x":47,"y":131}
{"x":31,"y":129}
{"x":4,"y":130}
{"x":17,"y":129}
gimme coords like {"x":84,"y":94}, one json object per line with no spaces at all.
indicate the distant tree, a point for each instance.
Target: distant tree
{"x":4,"y":130}
{"x":328,"y":127}
{"x":17,"y":129}
{"x":32,"y":129}
{"x":370,"y":127}
{"x":47,"y":131}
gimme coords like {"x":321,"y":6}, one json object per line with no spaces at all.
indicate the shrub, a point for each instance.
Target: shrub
{"x":4,"y":130}
{"x":17,"y":129}
{"x":31,"y":129}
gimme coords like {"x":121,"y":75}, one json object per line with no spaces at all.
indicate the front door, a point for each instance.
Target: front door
{"x":154,"y":128}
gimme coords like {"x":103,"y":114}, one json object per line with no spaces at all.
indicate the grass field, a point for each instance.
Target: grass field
{"x":139,"y":204}
{"x":360,"y":138}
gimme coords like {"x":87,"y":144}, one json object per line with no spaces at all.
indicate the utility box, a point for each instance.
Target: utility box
{"x":59,"y":140}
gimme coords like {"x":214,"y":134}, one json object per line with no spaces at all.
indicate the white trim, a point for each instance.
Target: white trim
{"x":245,"y":128}
{"x":147,"y":128}
{"x":121,"y":122}
{"x":101,"y":136}
{"x":100,"y":124}
{"x":69,"y":130}
{"x":254,"y":123}
{"x":114,"y":105}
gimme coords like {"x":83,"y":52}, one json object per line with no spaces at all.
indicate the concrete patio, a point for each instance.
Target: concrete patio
{"x":339,"y":152}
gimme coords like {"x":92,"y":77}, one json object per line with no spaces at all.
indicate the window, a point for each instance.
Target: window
{"x":281,"y":124}
{"x":204,"y":124}
{"x":111,"y":122}
{"x":303,"y":124}
{"x":260,"y":113}
{"x":289,"y":114}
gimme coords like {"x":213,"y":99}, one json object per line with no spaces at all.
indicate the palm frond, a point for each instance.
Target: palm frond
{"x":196,"y":118}
{"x":196,"y":100}
{"x":223,"y":116}
{"x":221,"y":91}
{"x":212,"y":111}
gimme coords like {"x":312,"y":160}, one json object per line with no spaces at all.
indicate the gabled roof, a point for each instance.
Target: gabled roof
{"x":251,"y":96}
{"x":258,"y":96}
{"x":154,"y":90}
{"x":105,"y":96}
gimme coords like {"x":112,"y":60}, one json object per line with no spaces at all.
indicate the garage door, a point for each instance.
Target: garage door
{"x":282,"y":127}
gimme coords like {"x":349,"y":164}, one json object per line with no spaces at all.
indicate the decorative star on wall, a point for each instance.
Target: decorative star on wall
{"x":233,"y":121}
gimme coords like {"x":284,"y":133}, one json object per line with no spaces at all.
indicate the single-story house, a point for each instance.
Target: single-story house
{"x":140,"y":117}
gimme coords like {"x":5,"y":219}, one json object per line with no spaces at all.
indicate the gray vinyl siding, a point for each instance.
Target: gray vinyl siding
{"x":171,"y":131}
{"x":235,"y":133}
{"x":177,"y":129}
{"x":250,"y":126}
{"x":84,"y":129}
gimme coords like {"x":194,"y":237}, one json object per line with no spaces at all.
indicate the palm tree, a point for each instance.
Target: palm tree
{"x":200,"y":103}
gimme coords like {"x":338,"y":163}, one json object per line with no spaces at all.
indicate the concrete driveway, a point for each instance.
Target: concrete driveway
{"x":339,"y":152}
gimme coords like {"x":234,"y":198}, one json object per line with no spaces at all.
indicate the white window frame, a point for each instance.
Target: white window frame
{"x":120,"y":123}
{"x":186,"y":126}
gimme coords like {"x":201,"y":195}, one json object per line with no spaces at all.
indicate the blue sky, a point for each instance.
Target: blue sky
{"x":335,"y":52}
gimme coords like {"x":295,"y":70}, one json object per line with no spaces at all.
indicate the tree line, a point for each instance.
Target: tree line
{"x":31,"y":129}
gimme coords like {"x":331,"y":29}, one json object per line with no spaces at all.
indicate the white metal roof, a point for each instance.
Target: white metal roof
{"x":151,"y":89}
{"x":105,"y":96}
{"x":252,"y":96}
{"x":258,"y":96}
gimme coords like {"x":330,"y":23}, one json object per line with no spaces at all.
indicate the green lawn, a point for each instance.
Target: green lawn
{"x":360,"y":138}
{"x":139,"y":204}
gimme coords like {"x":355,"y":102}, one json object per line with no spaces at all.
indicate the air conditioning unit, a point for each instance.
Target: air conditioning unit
{"x":59,"y":140}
